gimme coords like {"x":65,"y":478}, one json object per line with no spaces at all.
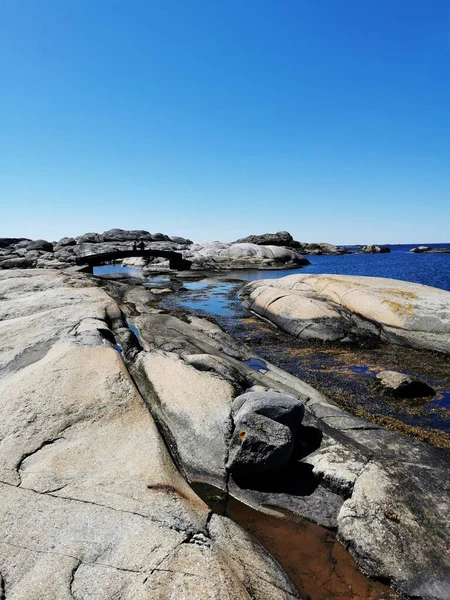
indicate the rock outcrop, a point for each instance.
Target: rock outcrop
{"x":387,"y":495}
{"x":91,"y":504}
{"x":222,"y":256}
{"x":19,"y":253}
{"x":284,"y":238}
{"x":340,"y":308}
{"x":428,"y":250}
{"x":374,"y":249}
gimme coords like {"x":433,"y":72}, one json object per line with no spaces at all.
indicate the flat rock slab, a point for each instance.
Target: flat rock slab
{"x":350,"y":308}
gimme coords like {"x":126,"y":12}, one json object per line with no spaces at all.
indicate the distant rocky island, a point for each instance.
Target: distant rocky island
{"x":267,"y":251}
{"x":128,"y":428}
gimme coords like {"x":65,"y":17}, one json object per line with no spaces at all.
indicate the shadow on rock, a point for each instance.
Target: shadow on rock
{"x":295,"y":478}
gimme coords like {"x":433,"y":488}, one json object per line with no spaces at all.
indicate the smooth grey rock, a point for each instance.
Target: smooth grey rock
{"x":215,"y":364}
{"x":259,"y":444}
{"x":403,"y":386}
{"x":194,"y":407}
{"x":40,"y":245}
{"x":16,"y":262}
{"x":221,"y":256}
{"x":282,"y":408}
{"x":66,"y":241}
{"x":13,"y":242}
{"x":428,"y":250}
{"x":121,"y":235}
{"x":420,"y":249}
{"x":180,"y":240}
{"x":281,"y":238}
{"x":89,"y":238}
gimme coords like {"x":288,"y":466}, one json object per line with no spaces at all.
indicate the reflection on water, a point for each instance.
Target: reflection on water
{"x":316,"y":563}
{"x":116,"y":270}
{"x":211,"y":297}
{"x":256,"y":364}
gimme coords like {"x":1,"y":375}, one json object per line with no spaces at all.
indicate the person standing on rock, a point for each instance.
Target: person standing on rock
{"x":134,"y":245}
{"x":141,"y":245}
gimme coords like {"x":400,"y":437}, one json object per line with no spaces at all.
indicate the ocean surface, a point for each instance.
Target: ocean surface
{"x":400,"y":263}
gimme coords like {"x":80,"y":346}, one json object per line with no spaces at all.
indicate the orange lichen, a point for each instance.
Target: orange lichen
{"x":399,"y":308}
{"x":242,"y":435}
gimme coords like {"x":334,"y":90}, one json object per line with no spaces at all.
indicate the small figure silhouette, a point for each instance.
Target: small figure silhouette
{"x":141,"y":245}
{"x":134,"y":246}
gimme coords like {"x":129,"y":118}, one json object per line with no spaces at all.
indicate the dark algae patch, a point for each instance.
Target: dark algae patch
{"x":318,"y":565}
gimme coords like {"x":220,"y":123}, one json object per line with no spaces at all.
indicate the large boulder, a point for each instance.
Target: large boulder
{"x":265,"y":425}
{"x":285,"y":239}
{"x":17,"y":262}
{"x":91,"y":504}
{"x":400,"y":385}
{"x":374,"y":249}
{"x":281,"y":238}
{"x":259,"y":444}
{"x":66,"y":241}
{"x":342,"y":308}
{"x":40,"y":245}
{"x":11,"y":242}
{"x":428,"y":250}
{"x":88,"y":238}
{"x":121,"y":235}
{"x":284,"y":409}
{"x":222,"y":256}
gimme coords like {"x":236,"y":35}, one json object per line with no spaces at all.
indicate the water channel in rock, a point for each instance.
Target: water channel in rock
{"x":344,"y":374}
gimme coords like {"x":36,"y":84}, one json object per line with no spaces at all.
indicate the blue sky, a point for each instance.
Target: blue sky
{"x":214,"y":119}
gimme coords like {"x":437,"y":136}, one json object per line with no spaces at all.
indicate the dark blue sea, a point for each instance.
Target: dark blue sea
{"x":400,"y":263}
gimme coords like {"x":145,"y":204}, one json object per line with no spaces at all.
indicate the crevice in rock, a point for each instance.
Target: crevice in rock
{"x":35,"y":451}
{"x":72,"y":579}
{"x":2,"y":588}
{"x":68,"y":498}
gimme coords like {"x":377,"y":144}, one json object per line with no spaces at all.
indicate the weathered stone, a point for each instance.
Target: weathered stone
{"x":16,"y":262}
{"x":194,"y":407}
{"x":259,"y":444}
{"x":349,"y":308}
{"x":281,"y":238}
{"x":402,"y":386}
{"x":40,"y":245}
{"x":282,"y":408}
{"x":374,"y":249}
{"x":220,"y":256}
{"x":12,"y":242}
{"x":66,"y":241}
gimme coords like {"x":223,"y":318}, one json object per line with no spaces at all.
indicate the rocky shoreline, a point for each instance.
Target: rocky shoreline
{"x":267,"y":251}
{"x":80,"y":398}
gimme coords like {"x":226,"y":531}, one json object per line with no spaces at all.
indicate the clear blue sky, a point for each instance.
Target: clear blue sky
{"x":214,"y":119}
